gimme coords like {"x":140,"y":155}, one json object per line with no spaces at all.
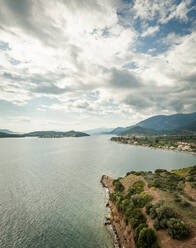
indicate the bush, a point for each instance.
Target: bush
{"x":114,"y":197}
{"x":146,"y":198}
{"x":126,"y":205}
{"x":185,"y":204}
{"x":153,"y":213}
{"x":136,"y":217}
{"x":148,"y":207}
{"x":160,"y":224}
{"x":138,"y":230}
{"x":137,"y":187}
{"x":165,"y":213}
{"x":157,"y":224}
{"x":138,"y":201}
{"x":158,"y":171}
{"x":177,"y":229}
{"x":147,"y":237}
{"x":177,"y":198}
{"x":118,"y":187}
{"x":193,"y":170}
{"x":191,"y":178}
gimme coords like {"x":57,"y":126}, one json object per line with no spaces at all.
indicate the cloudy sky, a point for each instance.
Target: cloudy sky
{"x":81,"y":64}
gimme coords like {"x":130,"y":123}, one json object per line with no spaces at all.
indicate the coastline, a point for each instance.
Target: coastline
{"x":124,"y":235}
{"x":108,"y":220}
{"x":157,"y":148}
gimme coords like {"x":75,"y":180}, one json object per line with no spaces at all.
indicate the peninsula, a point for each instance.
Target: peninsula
{"x":153,"y":210}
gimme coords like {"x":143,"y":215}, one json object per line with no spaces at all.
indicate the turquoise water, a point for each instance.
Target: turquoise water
{"x":50,"y":191}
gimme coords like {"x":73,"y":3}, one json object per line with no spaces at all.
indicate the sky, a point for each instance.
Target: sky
{"x":82,"y":64}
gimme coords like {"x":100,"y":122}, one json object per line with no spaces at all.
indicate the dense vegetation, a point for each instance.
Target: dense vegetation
{"x":130,"y":205}
{"x":166,"y":214}
{"x":166,"y":218}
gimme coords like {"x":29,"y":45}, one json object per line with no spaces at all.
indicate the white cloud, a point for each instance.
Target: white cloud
{"x":150,"y":31}
{"x":74,"y":52}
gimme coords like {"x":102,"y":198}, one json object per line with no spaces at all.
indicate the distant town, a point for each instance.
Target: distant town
{"x":178,"y":143}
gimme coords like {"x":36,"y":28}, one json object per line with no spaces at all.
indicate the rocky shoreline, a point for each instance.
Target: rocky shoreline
{"x":108,"y":220}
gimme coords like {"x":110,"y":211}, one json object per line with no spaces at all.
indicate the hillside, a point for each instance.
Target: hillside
{"x":118,"y":130}
{"x":164,"y":122}
{"x":153,"y":209}
{"x":8,"y":135}
{"x":138,"y":131}
{"x":178,"y":124}
{"x":97,"y":131}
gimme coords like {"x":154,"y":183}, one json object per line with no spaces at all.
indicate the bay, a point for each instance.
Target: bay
{"x":50,"y":191}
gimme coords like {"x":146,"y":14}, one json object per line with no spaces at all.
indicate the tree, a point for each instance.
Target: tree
{"x":177,"y":229}
{"x":147,"y":238}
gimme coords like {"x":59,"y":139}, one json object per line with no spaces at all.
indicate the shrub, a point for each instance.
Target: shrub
{"x":185,"y":204}
{"x":136,"y":218}
{"x":118,"y":187}
{"x":138,"y":230}
{"x":190,"y":179}
{"x":137,"y":187}
{"x":146,"y":198}
{"x":193,"y":170}
{"x":114,"y":197}
{"x":157,"y":224}
{"x":193,"y":185}
{"x":177,"y":198}
{"x":147,"y":237}
{"x":138,"y":201}
{"x":165,"y":213}
{"x":126,"y":205}
{"x":155,"y":245}
{"x":163,"y":223}
{"x":148,"y":207}
{"x":177,"y":229}
{"x":158,"y":171}
{"x":153,"y":213}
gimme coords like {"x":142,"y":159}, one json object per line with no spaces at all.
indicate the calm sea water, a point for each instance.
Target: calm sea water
{"x":50,"y":191}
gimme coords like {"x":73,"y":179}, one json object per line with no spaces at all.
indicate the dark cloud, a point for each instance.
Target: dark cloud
{"x":138,"y":101}
{"x":29,"y":16}
{"x":162,"y":98}
{"x":124,"y":79}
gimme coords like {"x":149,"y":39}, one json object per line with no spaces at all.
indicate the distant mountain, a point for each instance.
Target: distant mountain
{"x":6,"y":131}
{"x":168,"y":122}
{"x":178,"y":124}
{"x":118,"y":130}
{"x":97,"y":131}
{"x":8,"y":135}
{"x":139,"y":131}
{"x":75,"y":134}
{"x":56,"y":134}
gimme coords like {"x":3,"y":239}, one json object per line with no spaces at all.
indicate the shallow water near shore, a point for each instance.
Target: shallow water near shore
{"x":50,"y":191}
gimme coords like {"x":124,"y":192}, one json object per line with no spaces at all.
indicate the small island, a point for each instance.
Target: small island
{"x":171,"y":142}
{"x":153,"y":210}
{"x":45,"y":134}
